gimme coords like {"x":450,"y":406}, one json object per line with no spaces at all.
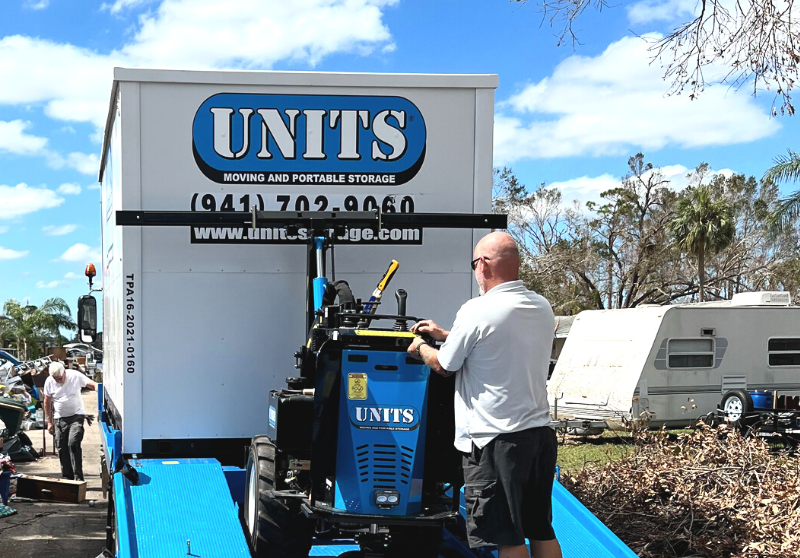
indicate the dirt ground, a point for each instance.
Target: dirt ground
{"x":50,"y":530}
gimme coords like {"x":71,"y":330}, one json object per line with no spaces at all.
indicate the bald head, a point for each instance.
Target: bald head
{"x":500,"y":257}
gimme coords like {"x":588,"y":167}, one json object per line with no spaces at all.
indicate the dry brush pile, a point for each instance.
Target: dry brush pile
{"x":710,"y":493}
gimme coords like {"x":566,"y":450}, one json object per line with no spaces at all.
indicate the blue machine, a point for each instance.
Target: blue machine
{"x":381,"y":448}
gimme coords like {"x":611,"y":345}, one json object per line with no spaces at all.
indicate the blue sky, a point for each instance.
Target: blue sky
{"x":566,"y":117}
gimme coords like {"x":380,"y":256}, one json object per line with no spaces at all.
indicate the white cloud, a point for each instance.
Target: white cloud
{"x":22,"y":199}
{"x":80,"y":253}
{"x":648,"y":11}
{"x":36,"y":4}
{"x":614,"y":104}
{"x":14,"y":139}
{"x":58,"y":282}
{"x":81,"y":162}
{"x":52,"y":230}
{"x":3,"y":229}
{"x":120,"y":5}
{"x":585,"y":188}
{"x":94,"y":186}
{"x":8,"y":254}
{"x":69,"y":189}
{"x":73,"y":83}
{"x":588,"y":188}
{"x":255,"y":33}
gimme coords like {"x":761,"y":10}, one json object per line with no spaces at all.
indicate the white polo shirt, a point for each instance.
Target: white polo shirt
{"x":500,"y":346}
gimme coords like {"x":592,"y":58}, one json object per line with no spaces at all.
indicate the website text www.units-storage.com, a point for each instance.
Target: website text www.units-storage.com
{"x":245,"y":235}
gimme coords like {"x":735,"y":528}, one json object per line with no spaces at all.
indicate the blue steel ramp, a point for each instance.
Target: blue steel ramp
{"x":579,"y":532}
{"x":174,"y":502}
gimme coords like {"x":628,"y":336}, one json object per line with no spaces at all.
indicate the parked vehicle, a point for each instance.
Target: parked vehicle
{"x":670,"y":365}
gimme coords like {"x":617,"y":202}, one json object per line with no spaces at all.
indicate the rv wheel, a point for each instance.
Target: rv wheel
{"x":275,"y":528}
{"x":736,"y":404}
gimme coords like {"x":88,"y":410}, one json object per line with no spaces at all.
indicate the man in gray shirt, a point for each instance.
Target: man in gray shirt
{"x":500,"y":347}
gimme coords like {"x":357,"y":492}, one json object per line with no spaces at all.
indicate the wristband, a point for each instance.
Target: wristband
{"x":419,"y":347}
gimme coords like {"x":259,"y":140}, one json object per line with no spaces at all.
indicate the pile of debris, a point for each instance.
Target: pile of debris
{"x":711,"y":493}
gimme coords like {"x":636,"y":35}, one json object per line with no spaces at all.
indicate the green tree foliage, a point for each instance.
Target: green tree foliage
{"x":786,"y":211}
{"x":619,"y":252}
{"x":703,"y":223}
{"x":30,"y":327}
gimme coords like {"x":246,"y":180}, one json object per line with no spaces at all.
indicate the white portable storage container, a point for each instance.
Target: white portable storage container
{"x":200,"y":323}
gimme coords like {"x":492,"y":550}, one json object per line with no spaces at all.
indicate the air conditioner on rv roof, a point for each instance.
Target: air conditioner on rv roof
{"x":762,"y":298}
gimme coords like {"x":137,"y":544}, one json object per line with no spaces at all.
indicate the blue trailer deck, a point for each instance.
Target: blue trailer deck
{"x":186,"y":507}
{"x":190,"y":507}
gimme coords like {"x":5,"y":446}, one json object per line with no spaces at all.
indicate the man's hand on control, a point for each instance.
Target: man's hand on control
{"x":415,"y":345}
{"x":431,"y":328}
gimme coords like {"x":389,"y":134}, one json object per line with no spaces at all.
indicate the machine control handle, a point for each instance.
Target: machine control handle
{"x":400,"y":324}
{"x":401,"y":295}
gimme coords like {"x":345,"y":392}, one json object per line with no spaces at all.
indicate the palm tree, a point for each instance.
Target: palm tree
{"x":30,"y":325}
{"x":55,"y":316}
{"x":702,"y":223}
{"x":786,"y":167}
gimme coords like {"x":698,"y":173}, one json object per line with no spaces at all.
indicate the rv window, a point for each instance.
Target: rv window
{"x":784,"y":352}
{"x":690,"y":353}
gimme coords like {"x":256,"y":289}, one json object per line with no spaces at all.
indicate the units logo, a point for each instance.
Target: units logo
{"x":369,"y":417}
{"x":308,"y":139}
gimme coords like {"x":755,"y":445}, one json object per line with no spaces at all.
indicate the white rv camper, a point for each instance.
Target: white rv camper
{"x":673,"y":364}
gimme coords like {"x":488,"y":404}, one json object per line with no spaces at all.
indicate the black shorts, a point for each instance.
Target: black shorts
{"x":508,"y":488}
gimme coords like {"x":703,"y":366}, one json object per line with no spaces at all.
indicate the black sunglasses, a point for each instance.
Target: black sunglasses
{"x":474,"y":262}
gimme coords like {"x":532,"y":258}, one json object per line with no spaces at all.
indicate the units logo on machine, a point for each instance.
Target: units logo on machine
{"x":308,"y":139}
{"x":374,"y":417}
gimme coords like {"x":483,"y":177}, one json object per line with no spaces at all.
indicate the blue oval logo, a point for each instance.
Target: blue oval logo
{"x":308,"y":139}
{"x":375,"y":417}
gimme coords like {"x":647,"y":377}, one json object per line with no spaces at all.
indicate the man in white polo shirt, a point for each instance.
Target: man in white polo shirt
{"x":65,"y":415}
{"x":499,"y":346}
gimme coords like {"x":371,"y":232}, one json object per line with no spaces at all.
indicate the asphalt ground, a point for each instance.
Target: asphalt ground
{"x":51,"y":530}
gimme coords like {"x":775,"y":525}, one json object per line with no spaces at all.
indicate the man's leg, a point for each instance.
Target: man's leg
{"x":75,"y":439}
{"x":513,"y":552}
{"x":539,"y":518}
{"x":545,"y":549}
{"x":62,"y":445}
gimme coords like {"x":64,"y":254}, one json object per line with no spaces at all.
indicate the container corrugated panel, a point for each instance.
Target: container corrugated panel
{"x":184,"y":507}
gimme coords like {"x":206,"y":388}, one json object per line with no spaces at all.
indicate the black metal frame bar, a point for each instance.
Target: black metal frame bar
{"x":317,"y":220}
{"x":331,"y":515}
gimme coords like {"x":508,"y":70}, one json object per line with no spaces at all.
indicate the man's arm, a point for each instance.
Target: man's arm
{"x":86,"y":382}
{"x":429,"y":355}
